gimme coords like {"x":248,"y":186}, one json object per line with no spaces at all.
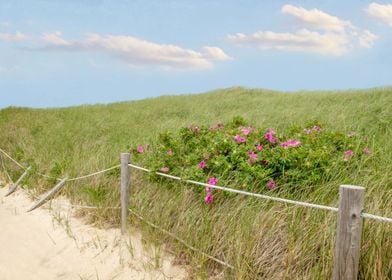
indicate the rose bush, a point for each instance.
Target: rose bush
{"x":253,"y":159}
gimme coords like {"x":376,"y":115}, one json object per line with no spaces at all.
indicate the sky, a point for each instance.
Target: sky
{"x":56,"y":53}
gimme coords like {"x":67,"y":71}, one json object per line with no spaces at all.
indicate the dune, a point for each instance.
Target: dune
{"x":54,"y":244}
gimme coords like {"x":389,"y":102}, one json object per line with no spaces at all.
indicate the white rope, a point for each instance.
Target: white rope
{"x":93,"y":174}
{"x":47,"y":176}
{"x":180,"y":240}
{"x":300,"y":203}
{"x":59,"y":179}
{"x":14,"y":160}
{"x":284,"y":200}
{"x":306,"y":204}
{"x":375,"y":217}
{"x":168,"y":176}
{"x":138,"y":167}
{"x":82,"y":206}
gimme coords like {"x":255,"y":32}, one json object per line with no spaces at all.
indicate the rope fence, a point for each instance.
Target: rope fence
{"x":350,"y":212}
{"x":278,"y":199}
{"x":55,"y":178}
{"x":41,"y":201}
{"x":93,"y":174}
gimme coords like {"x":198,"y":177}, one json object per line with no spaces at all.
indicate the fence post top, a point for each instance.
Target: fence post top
{"x":352,"y":187}
{"x":125,"y":157}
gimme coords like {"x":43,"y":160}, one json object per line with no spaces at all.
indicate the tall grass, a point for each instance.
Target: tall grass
{"x":261,"y":239}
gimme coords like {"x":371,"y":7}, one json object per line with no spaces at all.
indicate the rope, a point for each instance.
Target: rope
{"x":59,"y":179}
{"x":180,"y":240}
{"x":93,"y":174}
{"x":284,"y":200}
{"x":306,"y":204}
{"x":375,"y":217}
{"x":83,"y":206}
{"x":14,"y":161}
{"x":47,"y":176}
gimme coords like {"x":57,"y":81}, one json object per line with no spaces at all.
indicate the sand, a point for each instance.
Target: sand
{"x":53,"y":244}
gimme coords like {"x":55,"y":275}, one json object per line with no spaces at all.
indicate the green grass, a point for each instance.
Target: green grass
{"x":263,"y":240}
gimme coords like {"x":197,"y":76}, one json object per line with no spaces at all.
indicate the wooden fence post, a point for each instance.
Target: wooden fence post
{"x":125,"y":178}
{"x":349,"y":231}
{"x":49,"y":194}
{"x":16,"y":184}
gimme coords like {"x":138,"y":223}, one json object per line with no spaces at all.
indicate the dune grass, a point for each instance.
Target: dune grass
{"x":261,"y":239}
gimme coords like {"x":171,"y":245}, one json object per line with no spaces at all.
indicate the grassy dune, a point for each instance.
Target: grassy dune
{"x":262,"y":240}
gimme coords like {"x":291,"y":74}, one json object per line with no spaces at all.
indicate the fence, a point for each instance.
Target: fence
{"x":349,"y":225}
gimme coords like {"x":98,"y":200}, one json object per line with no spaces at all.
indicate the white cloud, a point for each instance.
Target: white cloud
{"x":17,"y":37}
{"x":215,"y":53}
{"x":302,"y":40}
{"x":337,"y":37}
{"x":381,"y":12}
{"x":55,"y":39}
{"x":136,"y":51}
{"x":366,"y":39}
{"x":315,"y":18}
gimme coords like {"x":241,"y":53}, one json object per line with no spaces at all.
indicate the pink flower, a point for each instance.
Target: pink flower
{"x":165,"y":169}
{"x":294,"y":143}
{"x":140,"y":149}
{"x":169,"y":152}
{"x":366,"y":151}
{"x":202,"y":164}
{"x":271,"y":184}
{"x":315,"y":129}
{"x":208,"y":198}
{"x":269,"y":136}
{"x":290,"y":143}
{"x":212,"y":181}
{"x":252,"y":157}
{"x":246,"y":131}
{"x":348,"y":154}
{"x":239,"y":139}
{"x":284,"y":145}
{"x":259,"y":147}
{"x":194,"y":128}
{"x":218,"y":126}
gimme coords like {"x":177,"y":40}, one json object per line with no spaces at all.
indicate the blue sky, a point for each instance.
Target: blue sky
{"x":62,"y":53}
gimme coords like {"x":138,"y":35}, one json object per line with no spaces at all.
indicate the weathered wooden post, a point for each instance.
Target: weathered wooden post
{"x":49,"y":194}
{"x":16,"y":184}
{"x":349,"y":230}
{"x":125,"y":178}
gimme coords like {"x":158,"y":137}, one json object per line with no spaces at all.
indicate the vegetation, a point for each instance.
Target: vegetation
{"x":261,"y":239}
{"x":256,"y":159}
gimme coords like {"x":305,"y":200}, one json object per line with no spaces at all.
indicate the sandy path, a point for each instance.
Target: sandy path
{"x":53,"y":244}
